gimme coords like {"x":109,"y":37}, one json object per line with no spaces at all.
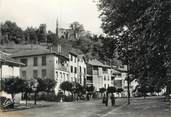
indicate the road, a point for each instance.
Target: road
{"x":150,"y":107}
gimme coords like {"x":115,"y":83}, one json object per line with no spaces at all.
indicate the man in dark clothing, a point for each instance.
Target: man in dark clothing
{"x":112,"y":99}
{"x":106,"y":100}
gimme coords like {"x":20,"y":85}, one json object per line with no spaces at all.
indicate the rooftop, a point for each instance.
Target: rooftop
{"x":35,"y":52}
{"x":95,"y":62}
{"x":4,"y":58}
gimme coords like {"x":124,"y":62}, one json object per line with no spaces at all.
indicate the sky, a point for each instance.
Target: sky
{"x":35,"y":12}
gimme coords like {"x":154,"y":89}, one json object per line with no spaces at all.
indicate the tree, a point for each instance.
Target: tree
{"x":66,"y":86}
{"x":14,"y":86}
{"x":90,"y":89}
{"x":102,"y":90}
{"x":12,"y":32}
{"x":77,"y":29}
{"x":142,"y":31}
{"x":49,"y":85}
{"x":111,"y":90}
{"x":119,"y":90}
{"x":31,"y":35}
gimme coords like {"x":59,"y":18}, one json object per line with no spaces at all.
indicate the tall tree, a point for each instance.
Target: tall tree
{"x":142,"y":30}
{"x":77,"y":29}
{"x":12,"y":32}
{"x":30,"y":35}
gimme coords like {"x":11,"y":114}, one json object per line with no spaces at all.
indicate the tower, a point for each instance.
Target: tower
{"x":57,"y":29}
{"x":0,"y":34}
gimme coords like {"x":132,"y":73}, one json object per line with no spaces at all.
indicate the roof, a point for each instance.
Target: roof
{"x":95,"y":62}
{"x":8,"y":60}
{"x":114,"y":71}
{"x":35,"y":52}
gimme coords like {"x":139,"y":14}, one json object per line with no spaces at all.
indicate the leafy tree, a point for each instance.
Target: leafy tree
{"x":66,"y":86}
{"x":14,"y":86}
{"x":111,"y":89}
{"x":31,"y":35}
{"x":77,"y":29}
{"x":119,"y":90}
{"x":49,"y":85}
{"x":102,"y":90}
{"x":51,"y":37}
{"x":12,"y":32}
{"x":142,"y":30}
{"x":90,"y":89}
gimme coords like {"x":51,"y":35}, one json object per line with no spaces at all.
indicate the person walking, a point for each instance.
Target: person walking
{"x":106,"y":100}
{"x":112,"y":97}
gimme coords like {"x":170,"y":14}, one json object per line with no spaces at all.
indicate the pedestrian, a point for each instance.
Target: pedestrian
{"x":106,"y":100}
{"x":88,"y":98}
{"x":112,"y":97}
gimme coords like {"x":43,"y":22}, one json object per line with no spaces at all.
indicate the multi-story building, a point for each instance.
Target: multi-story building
{"x":9,"y":68}
{"x":43,"y":63}
{"x":82,"y":70}
{"x":120,"y":76}
{"x":73,"y":67}
{"x":98,"y":75}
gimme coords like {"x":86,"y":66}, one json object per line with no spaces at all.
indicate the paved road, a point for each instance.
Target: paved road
{"x":150,"y":107}
{"x":73,"y":109}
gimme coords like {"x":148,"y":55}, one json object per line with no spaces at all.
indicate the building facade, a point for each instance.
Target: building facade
{"x":98,"y":75}
{"x":9,"y":68}
{"x":43,"y":64}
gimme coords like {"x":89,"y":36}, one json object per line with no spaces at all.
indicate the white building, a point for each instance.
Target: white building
{"x":98,"y":75}
{"x":77,"y":68}
{"x":43,"y":63}
{"x":9,"y":68}
{"x":73,"y":64}
{"x":82,"y":70}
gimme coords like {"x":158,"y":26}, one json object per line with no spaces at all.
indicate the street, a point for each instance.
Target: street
{"x":149,"y":107}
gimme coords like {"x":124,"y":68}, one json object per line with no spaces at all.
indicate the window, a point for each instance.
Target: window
{"x":35,"y":61}
{"x":108,"y":85}
{"x":71,"y":58}
{"x":57,"y":74}
{"x":43,"y":60}
{"x":84,"y":70}
{"x":75,"y":60}
{"x":80,"y":69}
{"x":64,"y":76}
{"x":23,"y":73}
{"x":104,"y":85}
{"x":75,"y":69}
{"x":71,"y":69}
{"x":43,"y":73}
{"x":35,"y":73}
{"x":24,"y":61}
{"x":61,"y":75}
{"x":104,"y":77}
